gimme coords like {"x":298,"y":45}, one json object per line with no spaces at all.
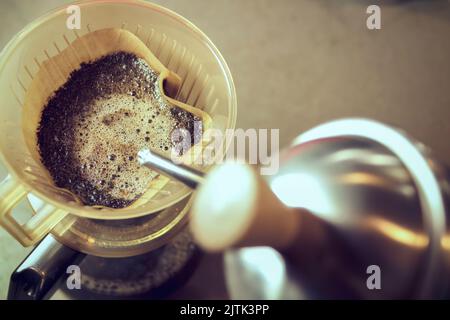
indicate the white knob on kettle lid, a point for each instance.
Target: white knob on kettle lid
{"x":235,"y":207}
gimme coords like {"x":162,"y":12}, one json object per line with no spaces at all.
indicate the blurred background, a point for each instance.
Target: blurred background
{"x":298,"y":63}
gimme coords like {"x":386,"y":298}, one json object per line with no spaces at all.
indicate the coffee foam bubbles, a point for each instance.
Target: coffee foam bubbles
{"x":108,"y":138}
{"x":93,"y":126}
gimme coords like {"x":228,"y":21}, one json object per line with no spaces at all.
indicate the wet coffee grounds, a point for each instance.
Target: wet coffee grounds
{"x":93,"y":126}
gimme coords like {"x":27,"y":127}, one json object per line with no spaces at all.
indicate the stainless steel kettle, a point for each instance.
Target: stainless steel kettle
{"x":354,"y":203}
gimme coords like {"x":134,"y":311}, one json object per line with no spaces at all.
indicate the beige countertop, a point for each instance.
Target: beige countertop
{"x":299,"y":63}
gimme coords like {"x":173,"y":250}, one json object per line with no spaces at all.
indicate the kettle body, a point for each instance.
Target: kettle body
{"x":377,"y":225}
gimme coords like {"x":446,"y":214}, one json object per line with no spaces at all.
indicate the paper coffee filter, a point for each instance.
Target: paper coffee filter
{"x":55,"y":71}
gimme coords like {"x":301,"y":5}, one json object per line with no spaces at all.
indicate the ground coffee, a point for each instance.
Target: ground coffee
{"x":93,"y":126}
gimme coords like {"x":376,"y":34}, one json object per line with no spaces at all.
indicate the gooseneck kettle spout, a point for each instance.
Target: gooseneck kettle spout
{"x":187,"y":175}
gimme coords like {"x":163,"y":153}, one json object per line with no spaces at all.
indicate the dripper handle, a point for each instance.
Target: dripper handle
{"x":33,"y":230}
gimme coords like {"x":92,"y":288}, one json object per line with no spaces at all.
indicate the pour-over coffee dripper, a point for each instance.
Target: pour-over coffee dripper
{"x":205,"y":82}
